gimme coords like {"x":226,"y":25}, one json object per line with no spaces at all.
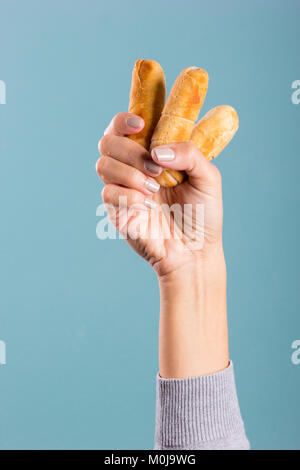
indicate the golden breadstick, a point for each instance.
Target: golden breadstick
{"x":147,"y":97}
{"x":215,"y":130}
{"x":179,"y":115}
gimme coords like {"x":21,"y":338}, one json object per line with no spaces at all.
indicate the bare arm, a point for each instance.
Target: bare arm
{"x":197,"y":405}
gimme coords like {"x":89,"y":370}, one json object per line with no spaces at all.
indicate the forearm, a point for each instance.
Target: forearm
{"x":197,"y":404}
{"x":193,"y":325}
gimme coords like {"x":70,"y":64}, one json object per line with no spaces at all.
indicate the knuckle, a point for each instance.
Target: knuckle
{"x":215,"y":174}
{"x":190,"y":148}
{"x":101,"y":166}
{"x":121,"y":116}
{"x":105,"y":144}
{"x":136,"y":198}
{"x":98,"y":166}
{"x":135,"y":179}
{"x":107,"y":194}
{"x":191,"y":153}
{"x":119,"y":121}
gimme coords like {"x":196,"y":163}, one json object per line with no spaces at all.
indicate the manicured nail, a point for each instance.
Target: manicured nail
{"x":150,"y":203}
{"x":151,"y":185}
{"x":152,"y":167}
{"x":134,"y":122}
{"x":163,"y":154}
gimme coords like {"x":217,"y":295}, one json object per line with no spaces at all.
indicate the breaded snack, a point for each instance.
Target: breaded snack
{"x":179,"y":115}
{"x":215,"y":130}
{"x":147,"y":97}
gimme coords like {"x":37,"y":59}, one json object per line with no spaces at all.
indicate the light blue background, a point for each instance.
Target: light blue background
{"x":80,"y":316}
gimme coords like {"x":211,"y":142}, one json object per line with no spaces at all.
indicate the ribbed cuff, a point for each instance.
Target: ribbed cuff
{"x":193,"y":411}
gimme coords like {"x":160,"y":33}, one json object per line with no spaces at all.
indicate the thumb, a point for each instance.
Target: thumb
{"x":186,"y":157}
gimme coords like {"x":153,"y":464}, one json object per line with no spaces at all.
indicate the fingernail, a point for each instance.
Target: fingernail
{"x":163,"y":154}
{"x":150,"y":203}
{"x":134,"y":122}
{"x":152,"y":167}
{"x":152,"y":185}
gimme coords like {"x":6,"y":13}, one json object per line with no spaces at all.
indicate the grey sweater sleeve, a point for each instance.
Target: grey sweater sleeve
{"x":199,"y":413}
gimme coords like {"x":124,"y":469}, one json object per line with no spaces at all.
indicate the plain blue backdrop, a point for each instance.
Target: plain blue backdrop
{"x":79,"y":316}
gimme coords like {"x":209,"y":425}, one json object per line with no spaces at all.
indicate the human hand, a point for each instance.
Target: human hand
{"x":189,"y":259}
{"x":168,"y":240}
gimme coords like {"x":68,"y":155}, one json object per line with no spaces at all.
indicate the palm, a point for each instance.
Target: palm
{"x":151,"y":235}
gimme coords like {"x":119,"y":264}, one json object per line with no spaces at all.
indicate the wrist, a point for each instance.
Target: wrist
{"x":203,"y":269}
